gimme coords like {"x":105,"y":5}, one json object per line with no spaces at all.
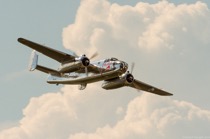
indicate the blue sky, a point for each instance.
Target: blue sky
{"x":35,"y":20}
{"x":43,"y":21}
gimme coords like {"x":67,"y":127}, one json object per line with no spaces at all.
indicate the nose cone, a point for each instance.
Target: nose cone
{"x":124,"y":66}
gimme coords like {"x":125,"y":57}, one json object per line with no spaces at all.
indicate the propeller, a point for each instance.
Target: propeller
{"x":87,"y":61}
{"x":129,"y":76}
{"x":94,"y":55}
{"x":132,"y":67}
{"x":86,"y":71}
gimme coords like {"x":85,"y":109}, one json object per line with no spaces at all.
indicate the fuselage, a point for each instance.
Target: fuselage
{"x":106,"y":69}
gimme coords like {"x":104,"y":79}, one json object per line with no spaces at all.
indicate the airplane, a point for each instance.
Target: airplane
{"x":78,"y":70}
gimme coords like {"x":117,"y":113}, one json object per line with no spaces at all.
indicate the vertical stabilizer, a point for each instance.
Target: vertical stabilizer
{"x":33,"y":61}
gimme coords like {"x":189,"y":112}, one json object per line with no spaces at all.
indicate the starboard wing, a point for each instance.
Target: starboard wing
{"x":52,"y":53}
{"x":48,"y":70}
{"x":148,"y":88}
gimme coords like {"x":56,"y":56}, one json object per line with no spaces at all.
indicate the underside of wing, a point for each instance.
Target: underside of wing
{"x":148,"y":88}
{"x":52,"y":53}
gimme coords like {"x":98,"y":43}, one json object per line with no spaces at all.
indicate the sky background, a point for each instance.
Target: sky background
{"x":178,"y":64}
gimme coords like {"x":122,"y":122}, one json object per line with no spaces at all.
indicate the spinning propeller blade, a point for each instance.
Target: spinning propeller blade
{"x":94,"y":55}
{"x":86,"y":71}
{"x":132,"y":67}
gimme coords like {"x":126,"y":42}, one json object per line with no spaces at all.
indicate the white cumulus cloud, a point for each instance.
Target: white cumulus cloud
{"x":149,"y":116}
{"x":103,"y":26}
{"x":57,"y":115}
{"x":116,"y":30}
{"x":100,"y":114}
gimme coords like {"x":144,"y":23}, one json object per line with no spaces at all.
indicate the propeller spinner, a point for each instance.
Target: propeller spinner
{"x":129,"y":77}
{"x":86,"y":61}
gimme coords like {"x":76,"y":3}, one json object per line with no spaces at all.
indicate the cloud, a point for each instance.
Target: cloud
{"x":57,"y":115}
{"x":162,"y":26}
{"x":99,"y":114}
{"x":149,"y":116}
{"x":7,"y":124}
{"x":116,"y":30}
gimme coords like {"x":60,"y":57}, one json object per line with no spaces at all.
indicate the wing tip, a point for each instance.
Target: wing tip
{"x":21,"y":40}
{"x":168,"y":94}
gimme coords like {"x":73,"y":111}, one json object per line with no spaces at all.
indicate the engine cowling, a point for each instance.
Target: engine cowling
{"x":113,"y":84}
{"x":79,"y":63}
{"x":129,"y":78}
{"x":85,"y":61}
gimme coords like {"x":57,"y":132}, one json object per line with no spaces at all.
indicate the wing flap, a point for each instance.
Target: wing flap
{"x":52,"y":53}
{"x":148,"y":88}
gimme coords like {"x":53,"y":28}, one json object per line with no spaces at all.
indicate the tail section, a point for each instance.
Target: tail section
{"x":33,"y":61}
{"x":34,"y":65}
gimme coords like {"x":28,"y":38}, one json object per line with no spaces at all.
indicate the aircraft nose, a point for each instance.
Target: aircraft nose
{"x":121,"y":65}
{"x":124,"y":66}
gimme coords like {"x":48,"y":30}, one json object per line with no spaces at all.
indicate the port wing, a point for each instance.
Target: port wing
{"x":52,"y":53}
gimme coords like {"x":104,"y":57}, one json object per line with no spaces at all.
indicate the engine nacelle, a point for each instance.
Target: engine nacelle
{"x":85,"y":61}
{"x":129,"y":78}
{"x":113,"y":84}
{"x":70,"y":67}
{"x":118,"y":82}
{"x":79,"y":63}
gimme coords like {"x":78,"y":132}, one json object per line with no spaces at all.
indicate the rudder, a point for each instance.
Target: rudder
{"x":33,"y":61}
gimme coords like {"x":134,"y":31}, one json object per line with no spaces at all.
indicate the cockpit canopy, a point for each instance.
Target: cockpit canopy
{"x":111,"y":59}
{"x":114,"y":59}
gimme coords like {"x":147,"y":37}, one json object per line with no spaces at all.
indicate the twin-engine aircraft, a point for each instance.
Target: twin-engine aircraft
{"x":78,"y":70}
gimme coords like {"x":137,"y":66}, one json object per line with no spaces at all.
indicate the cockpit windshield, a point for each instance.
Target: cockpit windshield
{"x":114,"y":59}
{"x":111,"y":59}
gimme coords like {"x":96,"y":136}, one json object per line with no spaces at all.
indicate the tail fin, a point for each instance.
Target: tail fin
{"x":34,"y":65}
{"x":33,"y":61}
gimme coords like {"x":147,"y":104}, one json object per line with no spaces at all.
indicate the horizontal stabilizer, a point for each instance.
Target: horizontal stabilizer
{"x":34,"y":65}
{"x":48,"y":70}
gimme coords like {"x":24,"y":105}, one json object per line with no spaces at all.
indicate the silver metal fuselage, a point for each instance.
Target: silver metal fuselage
{"x":109,"y":69}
